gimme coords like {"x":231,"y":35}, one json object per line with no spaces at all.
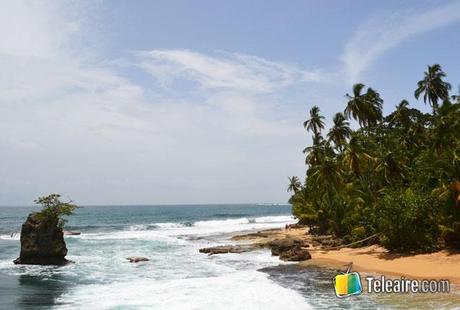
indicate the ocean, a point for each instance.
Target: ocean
{"x":177,"y":275}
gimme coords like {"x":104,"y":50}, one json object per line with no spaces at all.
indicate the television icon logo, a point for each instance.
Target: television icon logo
{"x":347,"y":284}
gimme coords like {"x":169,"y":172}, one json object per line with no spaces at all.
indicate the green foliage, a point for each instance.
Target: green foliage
{"x":397,"y":175}
{"x":358,"y":233}
{"x":407,"y":222}
{"x":433,"y":87}
{"x":53,"y":209}
{"x":315,"y":123}
{"x":451,"y":235}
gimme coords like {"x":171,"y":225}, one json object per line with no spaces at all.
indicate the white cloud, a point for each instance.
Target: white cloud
{"x":27,"y":29}
{"x":225,"y":70}
{"x":380,"y":34}
{"x":71,"y":125}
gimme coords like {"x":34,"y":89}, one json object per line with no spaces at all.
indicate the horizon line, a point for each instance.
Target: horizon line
{"x":160,"y":204}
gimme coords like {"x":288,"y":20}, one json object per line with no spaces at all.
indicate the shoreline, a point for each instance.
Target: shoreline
{"x":371,"y":260}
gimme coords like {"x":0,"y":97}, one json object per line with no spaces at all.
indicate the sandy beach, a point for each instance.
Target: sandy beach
{"x":370,"y":259}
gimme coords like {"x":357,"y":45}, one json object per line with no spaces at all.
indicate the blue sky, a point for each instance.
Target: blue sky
{"x":194,"y":101}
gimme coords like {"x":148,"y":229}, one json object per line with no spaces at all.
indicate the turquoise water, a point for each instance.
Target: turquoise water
{"x":177,"y":275}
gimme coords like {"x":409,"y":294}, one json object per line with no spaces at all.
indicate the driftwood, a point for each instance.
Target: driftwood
{"x":345,"y":245}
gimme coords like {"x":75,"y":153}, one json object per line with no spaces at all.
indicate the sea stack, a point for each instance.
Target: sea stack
{"x":42,"y":242}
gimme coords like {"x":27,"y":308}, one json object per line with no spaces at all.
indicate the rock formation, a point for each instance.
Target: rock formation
{"x":136,"y":259}
{"x":223,"y":249}
{"x":290,"y":249}
{"x":42,"y":243}
{"x":295,"y":254}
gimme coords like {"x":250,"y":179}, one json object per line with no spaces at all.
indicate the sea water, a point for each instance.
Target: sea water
{"x":177,"y":275}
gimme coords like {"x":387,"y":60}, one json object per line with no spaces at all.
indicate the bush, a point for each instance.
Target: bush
{"x":308,"y":219}
{"x":451,"y":235}
{"x":358,"y":233}
{"x":53,"y":209}
{"x":407,"y":222}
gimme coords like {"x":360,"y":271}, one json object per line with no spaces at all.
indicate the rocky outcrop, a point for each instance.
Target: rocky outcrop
{"x":223,"y":249}
{"x":295,"y":254}
{"x":42,"y":243}
{"x":290,"y":249}
{"x":251,"y":236}
{"x":136,"y":259}
{"x":281,"y":245}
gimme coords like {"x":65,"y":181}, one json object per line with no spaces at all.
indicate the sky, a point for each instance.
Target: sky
{"x":183,"y":102}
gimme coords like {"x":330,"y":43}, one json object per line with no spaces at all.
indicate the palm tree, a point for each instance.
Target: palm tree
{"x":294,"y":185}
{"x":318,"y":150}
{"x":366,"y":108}
{"x":401,"y":116}
{"x":328,"y":174}
{"x":315,"y":123}
{"x":354,"y":156}
{"x":354,"y":105}
{"x":373,"y":106}
{"x":340,"y":131}
{"x":445,"y":126}
{"x":327,"y":179}
{"x":405,"y":169}
{"x":433,"y":87}
{"x":391,"y":167}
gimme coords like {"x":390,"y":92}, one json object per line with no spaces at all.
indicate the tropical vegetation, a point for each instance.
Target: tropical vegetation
{"x":395,"y":176}
{"x":53,"y":210}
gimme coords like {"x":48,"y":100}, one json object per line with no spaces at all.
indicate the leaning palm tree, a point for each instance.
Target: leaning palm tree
{"x":366,"y":107}
{"x":340,"y":131}
{"x":294,"y":185}
{"x":316,"y":121}
{"x":433,"y":87}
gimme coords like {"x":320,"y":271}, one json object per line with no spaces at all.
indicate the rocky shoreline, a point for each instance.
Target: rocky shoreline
{"x":286,"y":247}
{"x":294,"y":243}
{"x":290,"y":244}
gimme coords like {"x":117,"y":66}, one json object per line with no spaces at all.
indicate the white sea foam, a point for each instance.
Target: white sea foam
{"x":226,"y":226}
{"x":10,"y":237}
{"x":237,"y":290}
{"x":264,"y":219}
{"x":130,"y":235}
{"x":168,"y":232}
{"x":177,"y":275}
{"x":161,"y":231}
